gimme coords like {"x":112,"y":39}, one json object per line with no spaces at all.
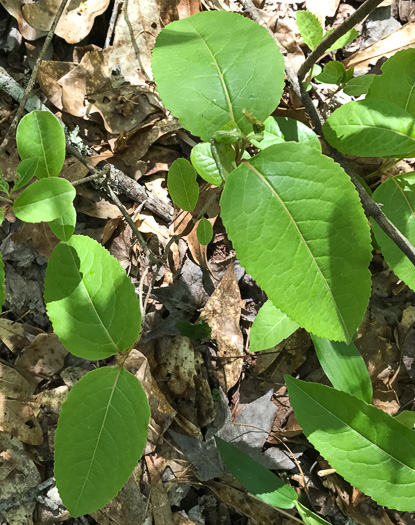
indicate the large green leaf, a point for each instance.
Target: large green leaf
{"x":181,"y":181}
{"x":345,"y":367}
{"x":254,"y":477}
{"x":369,"y":448}
{"x":298,"y":228}
{"x":371,"y":128}
{"x":310,"y":28}
{"x":90,"y":300}
{"x":212,"y":65}
{"x":44,"y":200}
{"x":283,"y":129}
{"x":39,"y":135}
{"x":64,"y":226}
{"x":397,"y":194}
{"x":204,"y":163}
{"x":101,"y":434}
{"x":397,"y":82}
{"x":270,"y":327}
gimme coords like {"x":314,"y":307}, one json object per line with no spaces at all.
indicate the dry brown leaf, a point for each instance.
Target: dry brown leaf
{"x":39,"y":235}
{"x":321,"y":9}
{"x":186,"y":8}
{"x":101,"y":209}
{"x":17,"y":335}
{"x":401,"y":39}
{"x":146,"y":223}
{"x":50,"y":71}
{"x":75,"y":23}
{"x":43,"y":358}
{"x":199,"y":251}
{"x":14,"y":8}
{"x":13,"y":384}
{"x":19,"y":420}
{"x":162,"y":413}
{"x":18,"y":475}
{"x":222,"y":312}
{"x":162,"y":514}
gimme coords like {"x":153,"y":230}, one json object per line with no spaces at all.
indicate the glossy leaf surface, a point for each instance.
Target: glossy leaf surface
{"x":181,"y":181}
{"x":44,"y":200}
{"x":64,"y":226}
{"x":369,"y":448}
{"x":90,"y":300}
{"x":229,"y":62}
{"x":101,"y":434}
{"x":205,"y":165}
{"x":345,"y":367}
{"x":270,"y":327}
{"x":283,"y":129}
{"x":39,"y":135}
{"x":255,"y":478}
{"x":371,"y":128}
{"x":397,"y":194}
{"x":297,"y":226}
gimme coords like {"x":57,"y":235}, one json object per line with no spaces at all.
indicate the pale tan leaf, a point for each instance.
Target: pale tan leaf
{"x":17,"y":335}
{"x":18,"y":419}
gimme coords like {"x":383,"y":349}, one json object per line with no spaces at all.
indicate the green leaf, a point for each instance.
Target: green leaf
{"x":204,"y":231}
{"x":26,"y":170}
{"x":4,"y":186}
{"x":351,"y":35}
{"x":205,"y":165}
{"x":407,"y":418}
{"x":297,"y":226}
{"x":369,"y":448}
{"x":255,"y":478}
{"x":228,"y":134}
{"x":90,"y":300}
{"x":44,"y":200}
{"x":345,"y":367}
{"x":229,"y":64}
{"x":310,"y":28}
{"x":308,"y":516}
{"x":270,"y":327}
{"x":397,"y":194}
{"x":397,"y":82}
{"x":371,"y":128}
{"x":64,"y":226}
{"x":333,"y":73}
{"x":182,"y":184}
{"x":283,"y":129}
{"x":2,"y":278}
{"x":1,"y":215}
{"x":358,"y":86}
{"x":101,"y":435}
{"x":39,"y":135}
{"x":199,"y":330}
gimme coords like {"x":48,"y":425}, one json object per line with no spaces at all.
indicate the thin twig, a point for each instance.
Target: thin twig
{"x":370,"y":207}
{"x":362,"y":12}
{"x":32,"y":79}
{"x":113,"y":19}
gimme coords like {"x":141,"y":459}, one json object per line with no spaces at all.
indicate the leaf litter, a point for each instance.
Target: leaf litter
{"x":197,"y":388}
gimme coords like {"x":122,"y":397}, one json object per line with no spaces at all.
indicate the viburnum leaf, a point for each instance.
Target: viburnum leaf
{"x":356,"y":439}
{"x":255,"y":478}
{"x":359,"y":85}
{"x":45,"y":200}
{"x":348,"y":37}
{"x":39,"y":135}
{"x":227,"y":60}
{"x":90,"y":300}
{"x":400,"y":92}
{"x":297,"y":226}
{"x":283,"y":129}
{"x":333,"y":73}
{"x":64,"y":226}
{"x":371,"y":128}
{"x":345,"y":367}
{"x":270,"y":327}
{"x":397,"y":194}
{"x":310,"y":28}
{"x":101,"y":435}
{"x":205,"y":165}
{"x":182,"y":184}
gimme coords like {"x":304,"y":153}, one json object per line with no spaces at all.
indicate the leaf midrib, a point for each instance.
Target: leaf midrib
{"x":41,"y":145}
{"x":356,"y":431}
{"x":302,"y":239}
{"x":99,"y":435}
{"x":220,"y":74}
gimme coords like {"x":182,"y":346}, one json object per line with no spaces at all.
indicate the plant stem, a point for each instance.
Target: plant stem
{"x":362,"y":12}
{"x":370,"y":207}
{"x":32,"y":79}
